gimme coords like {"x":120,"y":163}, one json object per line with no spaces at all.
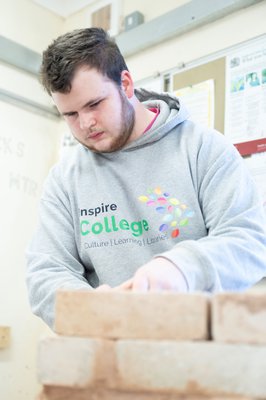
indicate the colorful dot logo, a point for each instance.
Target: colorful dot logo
{"x":174,"y":214}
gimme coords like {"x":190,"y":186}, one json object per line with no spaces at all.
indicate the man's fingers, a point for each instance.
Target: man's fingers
{"x":103,"y":288}
{"x":140,"y":283}
{"x":156,"y":286}
{"x":127,"y":285}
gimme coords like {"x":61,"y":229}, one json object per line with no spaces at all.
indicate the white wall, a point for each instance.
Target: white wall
{"x":221,"y":34}
{"x":148,"y":8}
{"x":28,"y":147}
{"x":28,"y":24}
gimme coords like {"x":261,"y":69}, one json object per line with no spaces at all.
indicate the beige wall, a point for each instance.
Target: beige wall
{"x":28,"y":24}
{"x":28,"y":147}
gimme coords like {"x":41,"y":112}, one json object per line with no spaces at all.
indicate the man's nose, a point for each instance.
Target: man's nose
{"x":86,"y":121}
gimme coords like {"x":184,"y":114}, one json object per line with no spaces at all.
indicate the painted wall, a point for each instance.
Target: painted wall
{"x":225,"y":32}
{"x":81,"y":19}
{"x":221,"y":34}
{"x":149,"y":9}
{"x":28,"y":24}
{"x":28,"y":147}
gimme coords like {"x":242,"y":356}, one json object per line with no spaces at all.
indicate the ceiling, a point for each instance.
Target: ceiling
{"x":64,"y":8}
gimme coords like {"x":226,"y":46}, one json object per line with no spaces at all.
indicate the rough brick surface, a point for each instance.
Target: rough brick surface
{"x":132,"y":315}
{"x":239,"y":317}
{"x":203,"y":368}
{"x":166,"y":367}
{"x":56,"y":393}
{"x":74,"y":362}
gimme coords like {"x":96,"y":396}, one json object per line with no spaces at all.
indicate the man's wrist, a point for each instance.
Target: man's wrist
{"x":178,"y":269}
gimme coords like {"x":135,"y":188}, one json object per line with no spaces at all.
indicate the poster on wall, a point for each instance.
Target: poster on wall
{"x":199,"y":100}
{"x":245,"y":107}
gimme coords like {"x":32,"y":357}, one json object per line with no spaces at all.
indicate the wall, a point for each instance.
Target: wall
{"x":201,"y":42}
{"x":148,"y":9}
{"x":202,"y":356}
{"x":28,"y":147}
{"x":28,"y":24}
{"x":190,"y":46}
{"x":126,"y":7}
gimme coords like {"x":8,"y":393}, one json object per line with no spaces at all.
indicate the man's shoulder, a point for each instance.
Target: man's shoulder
{"x":71,"y":157}
{"x":69,"y":161}
{"x":64,"y":173}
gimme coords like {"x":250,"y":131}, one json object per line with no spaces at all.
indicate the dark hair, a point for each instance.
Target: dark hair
{"x":91,"y":46}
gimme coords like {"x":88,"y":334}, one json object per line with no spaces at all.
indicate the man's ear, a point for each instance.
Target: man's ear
{"x":127,"y":83}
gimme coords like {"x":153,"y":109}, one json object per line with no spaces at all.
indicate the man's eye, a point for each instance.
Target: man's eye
{"x":95,"y":104}
{"x":70,"y":115}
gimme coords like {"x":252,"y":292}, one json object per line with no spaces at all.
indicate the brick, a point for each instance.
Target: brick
{"x":151,"y":367}
{"x":4,"y":337}
{"x":74,"y":362}
{"x":57,"y":393}
{"x":239,"y":317}
{"x":191,"y":368}
{"x":131,"y":315}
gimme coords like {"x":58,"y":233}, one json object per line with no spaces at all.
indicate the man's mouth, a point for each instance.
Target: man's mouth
{"x":95,"y":135}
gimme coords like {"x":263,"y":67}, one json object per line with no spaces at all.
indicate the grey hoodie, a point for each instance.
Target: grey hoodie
{"x":180,"y":191}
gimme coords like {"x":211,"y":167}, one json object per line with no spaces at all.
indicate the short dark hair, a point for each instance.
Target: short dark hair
{"x":90,"y":46}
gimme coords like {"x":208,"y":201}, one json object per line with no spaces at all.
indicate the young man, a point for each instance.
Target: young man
{"x":148,"y":200}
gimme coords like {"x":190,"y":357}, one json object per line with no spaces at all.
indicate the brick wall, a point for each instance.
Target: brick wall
{"x":125,"y":346}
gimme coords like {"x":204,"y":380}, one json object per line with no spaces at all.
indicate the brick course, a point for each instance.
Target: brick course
{"x":195,"y":368}
{"x":125,"y":346}
{"x":127,"y":315}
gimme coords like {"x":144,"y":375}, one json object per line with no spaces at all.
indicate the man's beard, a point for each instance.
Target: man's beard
{"x":127,"y":124}
{"x":127,"y":118}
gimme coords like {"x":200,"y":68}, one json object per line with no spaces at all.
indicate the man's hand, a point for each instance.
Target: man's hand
{"x":103,"y":288}
{"x":127,"y":285}
{"x":158,"y":274}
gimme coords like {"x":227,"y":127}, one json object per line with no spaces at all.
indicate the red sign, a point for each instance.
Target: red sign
{"x":251,"y":147}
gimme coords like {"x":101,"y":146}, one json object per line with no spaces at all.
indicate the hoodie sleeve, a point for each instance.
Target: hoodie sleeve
{"x":52,"y":257}
{"x":233,"y":254}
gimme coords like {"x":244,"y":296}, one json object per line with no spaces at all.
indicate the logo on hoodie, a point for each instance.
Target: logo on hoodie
{"x":174,"y":213}
{"x":108,"y":223}
{"x":103,"y":219}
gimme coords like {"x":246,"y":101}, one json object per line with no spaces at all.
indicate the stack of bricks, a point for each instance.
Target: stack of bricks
{"x":155,"y":346}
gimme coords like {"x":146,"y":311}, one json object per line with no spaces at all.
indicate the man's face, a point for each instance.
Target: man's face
{"x":98,"y":113}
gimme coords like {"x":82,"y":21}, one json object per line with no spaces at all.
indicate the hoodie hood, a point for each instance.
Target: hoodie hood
{"x":172,"y":113}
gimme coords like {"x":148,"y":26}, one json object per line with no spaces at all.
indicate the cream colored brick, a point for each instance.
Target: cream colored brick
{"x":132,"y":315}
{"x":145,"y":366}
{"x":239,"y":317}
{"x":191,"y":368}
{"x":74,"y":362}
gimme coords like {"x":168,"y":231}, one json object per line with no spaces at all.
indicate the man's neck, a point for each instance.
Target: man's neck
{"x":143,"y":118}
